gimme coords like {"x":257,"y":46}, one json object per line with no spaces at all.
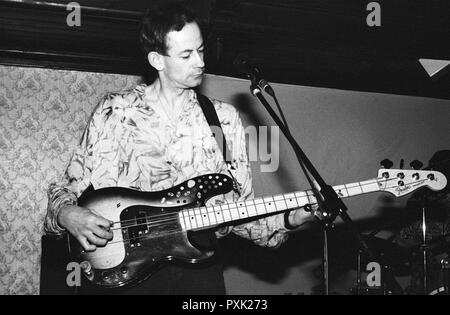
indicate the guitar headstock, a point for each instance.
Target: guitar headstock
{"x":401,"y":182}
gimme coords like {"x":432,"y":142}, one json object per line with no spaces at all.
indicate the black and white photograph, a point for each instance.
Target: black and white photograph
{"x":227,"y":153}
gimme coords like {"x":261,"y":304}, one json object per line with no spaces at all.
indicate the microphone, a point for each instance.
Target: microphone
{"x":242,"y":63}
{"x":263,"y":84}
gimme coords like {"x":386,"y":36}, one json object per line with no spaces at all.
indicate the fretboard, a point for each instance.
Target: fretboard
{"x":209,"y":216}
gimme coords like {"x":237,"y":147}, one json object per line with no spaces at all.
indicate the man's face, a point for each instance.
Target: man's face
{"x":184,"y":65}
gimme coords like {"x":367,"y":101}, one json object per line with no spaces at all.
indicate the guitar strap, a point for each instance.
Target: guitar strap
{"x":213,"y":120}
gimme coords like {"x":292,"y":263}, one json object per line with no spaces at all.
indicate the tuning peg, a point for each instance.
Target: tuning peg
{"x":386,"y":163}
{"x":416,"y":164}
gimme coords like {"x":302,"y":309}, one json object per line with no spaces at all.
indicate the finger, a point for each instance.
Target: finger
{"x":102,"y":233}
{"x":85,"y":244}
{"x":94,"y":239}
{"x":101,"y":221}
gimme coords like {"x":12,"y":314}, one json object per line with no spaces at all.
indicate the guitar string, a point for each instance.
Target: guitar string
{"x":177,"y":231}
{"x":168,"y":214}
{"x":167,"y":217}
{"x":139,"y":238}
{"x":165,"y":233}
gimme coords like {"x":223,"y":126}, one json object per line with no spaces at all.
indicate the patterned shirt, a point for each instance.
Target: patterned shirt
{"x":132,"y":142}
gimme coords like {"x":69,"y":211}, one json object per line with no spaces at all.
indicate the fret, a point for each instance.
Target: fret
{"x":291,"y":201}
{"x":213,"y":211}
{"x":234,"y":213}
{"x":198,"y":217}
{"x":242,"y":209}
{"x":251,"y":209}
{"x":205,"y":218}
{"x":301,"y":198}
{"x":192,"y":219}
{"x":226,"y":213}
{"x":219,"y":214}
{"x":302,"y":201}
{"x":361,"y":187}
{"x":310,"y":196}
{"x":348,"y":193}
{"x":212,"y":216}
{"x":261,"y":208}
{"x":353,"y":189}
{"x":300,"y":194}
{"x":187,"y":222}
{"x":270,"y":204}
{"x":280,"y":205}
{"x":370,"y":186}
{"x":341,"y":191}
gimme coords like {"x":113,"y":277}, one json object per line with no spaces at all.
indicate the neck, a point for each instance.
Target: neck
{"x":173,"y":97}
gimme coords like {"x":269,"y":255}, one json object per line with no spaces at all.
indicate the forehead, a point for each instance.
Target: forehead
{"x":188,"y":38}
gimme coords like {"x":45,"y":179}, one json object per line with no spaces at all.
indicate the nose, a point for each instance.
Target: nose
{"x":199,"y":61}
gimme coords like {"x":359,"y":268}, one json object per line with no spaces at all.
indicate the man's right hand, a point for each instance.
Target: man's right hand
{"x":89,"y":228}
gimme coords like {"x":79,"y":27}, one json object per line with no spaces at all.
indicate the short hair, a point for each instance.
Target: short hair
{"x":158,"y":22}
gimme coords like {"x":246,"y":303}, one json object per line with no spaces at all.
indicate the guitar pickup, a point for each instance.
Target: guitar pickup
{"x":136,"y":227}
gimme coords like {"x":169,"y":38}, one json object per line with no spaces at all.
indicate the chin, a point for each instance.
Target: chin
{"x":195,"y":82}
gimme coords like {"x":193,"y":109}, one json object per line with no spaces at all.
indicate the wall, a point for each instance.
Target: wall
{"x":346,"y":134}
{"x":42,"y":116}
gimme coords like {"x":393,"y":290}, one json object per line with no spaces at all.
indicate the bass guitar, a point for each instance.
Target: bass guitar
{"x":152,"y":228}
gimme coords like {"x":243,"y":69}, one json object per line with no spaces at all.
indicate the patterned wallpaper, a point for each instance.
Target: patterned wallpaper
{"x":42,"y":116}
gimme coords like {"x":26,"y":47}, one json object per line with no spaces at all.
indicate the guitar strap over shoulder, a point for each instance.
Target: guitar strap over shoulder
{"x":213,"y":120}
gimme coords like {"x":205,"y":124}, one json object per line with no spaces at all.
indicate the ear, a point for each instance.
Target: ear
{"x":155,"y":60}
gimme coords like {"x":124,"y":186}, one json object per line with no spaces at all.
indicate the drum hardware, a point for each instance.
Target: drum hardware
{"x":425,"y":249}
{"x":445,"y":267}
{"x":396,"y":262}
{"x":363,"y":288}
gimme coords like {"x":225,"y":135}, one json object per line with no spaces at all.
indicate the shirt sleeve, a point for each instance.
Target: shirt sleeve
{"x":268,"y":231}
{"x":77,"y":176}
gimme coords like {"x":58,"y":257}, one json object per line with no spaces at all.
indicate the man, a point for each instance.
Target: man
{"x":154,"y":137}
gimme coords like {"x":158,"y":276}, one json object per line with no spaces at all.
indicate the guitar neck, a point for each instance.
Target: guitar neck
{"x":210,"y":216}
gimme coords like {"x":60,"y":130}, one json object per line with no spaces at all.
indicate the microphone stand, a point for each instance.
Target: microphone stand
{"x":331,"y":205}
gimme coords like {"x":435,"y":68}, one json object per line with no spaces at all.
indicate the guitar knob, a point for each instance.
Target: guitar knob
{"x":86,"y":267}
{"x":416,"y":164}
{"x":386,"y":163}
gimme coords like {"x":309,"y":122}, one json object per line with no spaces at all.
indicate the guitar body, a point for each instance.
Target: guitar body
{"x":147,"y":231}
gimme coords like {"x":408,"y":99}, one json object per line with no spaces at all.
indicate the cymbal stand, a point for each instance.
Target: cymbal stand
{"x":445,"y":266}
{"x":359,"y":274}
{"x":425,"y":249}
